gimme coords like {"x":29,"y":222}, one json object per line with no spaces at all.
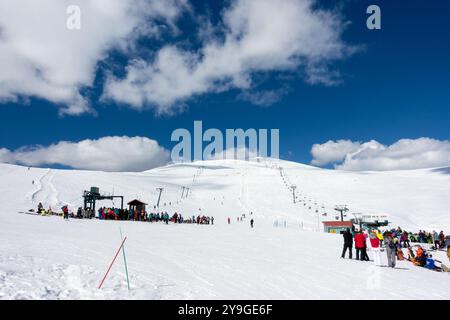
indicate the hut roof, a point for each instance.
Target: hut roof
{"x":136,"y":203}
{"x":338,"y":223}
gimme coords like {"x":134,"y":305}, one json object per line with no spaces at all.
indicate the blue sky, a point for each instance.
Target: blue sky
{"x":396,"y":86}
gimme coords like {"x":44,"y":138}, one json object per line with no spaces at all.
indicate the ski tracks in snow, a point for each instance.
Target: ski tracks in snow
{"x":244,"y":194}
{"x":46,"y":191}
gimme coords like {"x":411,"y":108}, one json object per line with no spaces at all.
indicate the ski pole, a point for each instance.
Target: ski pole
{"x":110,"y":266}
{"x":125,"y":260}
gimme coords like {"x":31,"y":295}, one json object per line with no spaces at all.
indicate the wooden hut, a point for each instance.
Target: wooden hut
{"x":336,"y":226}
{"x":136,"y":205}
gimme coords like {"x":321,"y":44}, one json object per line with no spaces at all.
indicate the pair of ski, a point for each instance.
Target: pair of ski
{"x":31,"y":213}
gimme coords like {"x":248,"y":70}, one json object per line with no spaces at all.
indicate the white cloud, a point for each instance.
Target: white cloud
{"x":106,"y":154}
{"x":401,"y":155}
{"x":40,"y":57}
{"x":332,"y":151}
{"x":259,"y":36}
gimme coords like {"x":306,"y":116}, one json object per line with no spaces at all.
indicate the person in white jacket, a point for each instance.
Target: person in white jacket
{"x":375,"y":245}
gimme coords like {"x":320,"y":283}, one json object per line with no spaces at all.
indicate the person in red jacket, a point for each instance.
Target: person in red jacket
{"x":360,"y":246}
{"x":65,"y":210}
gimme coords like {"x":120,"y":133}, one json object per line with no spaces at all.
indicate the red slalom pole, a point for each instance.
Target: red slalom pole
{"x":110,"y":266}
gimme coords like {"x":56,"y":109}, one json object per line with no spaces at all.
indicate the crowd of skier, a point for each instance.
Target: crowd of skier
{"x":105,"y":213}
{"x":143,"y":216}
{"x":397,"y":242}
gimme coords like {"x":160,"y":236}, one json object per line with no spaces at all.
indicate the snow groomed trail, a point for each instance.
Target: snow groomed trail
{"x":49,"y":258}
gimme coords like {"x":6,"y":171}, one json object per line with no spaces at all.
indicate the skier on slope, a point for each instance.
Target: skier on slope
{"x":251,"y":223}
{"x":348,"y":243}
{"x":40,"y":207}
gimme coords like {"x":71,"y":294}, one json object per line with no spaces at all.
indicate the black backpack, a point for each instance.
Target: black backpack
{"x":391,"y":243}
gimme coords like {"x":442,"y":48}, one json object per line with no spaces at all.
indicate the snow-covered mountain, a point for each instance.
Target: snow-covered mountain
{"x":46,"y":257}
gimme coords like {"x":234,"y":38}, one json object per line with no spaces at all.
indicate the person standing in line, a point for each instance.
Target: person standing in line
{"x":65,"y":210}
{"x":390,"y":249}
{"x":375,"y":244}
{"x":441,"y":240}
{"x":348,"y":243}
{"x":435,"y":237}
{"x":360,"y":245}
{"x":380,"y":237}
{"x":366,"y":245}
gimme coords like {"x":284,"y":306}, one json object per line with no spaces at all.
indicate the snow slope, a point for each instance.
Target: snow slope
{"x":48,"y":258}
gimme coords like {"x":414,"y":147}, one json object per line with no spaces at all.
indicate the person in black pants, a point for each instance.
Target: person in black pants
{"x":348,"y":243}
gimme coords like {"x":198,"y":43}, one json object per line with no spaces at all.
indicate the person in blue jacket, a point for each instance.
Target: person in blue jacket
{"x":431,"y":264}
